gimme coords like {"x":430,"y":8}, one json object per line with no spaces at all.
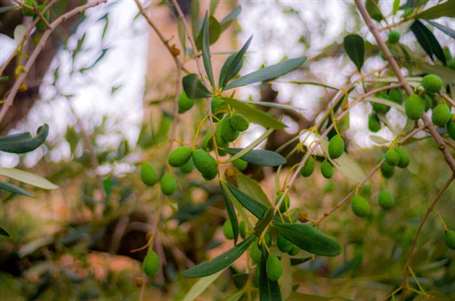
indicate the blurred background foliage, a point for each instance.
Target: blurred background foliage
{"x":85,"y":240}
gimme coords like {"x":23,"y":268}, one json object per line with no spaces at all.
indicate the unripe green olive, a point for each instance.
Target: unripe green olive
{"x":184,"y":102}
{"x":360,"y":206}
{"x":380,"y":108}
{"x":414,"y":107}
{"x":387,"y":170}
{"x":255,"y":253}
{"x":220,"y":141}
{"x":386,"y":199}
{"x":308,"y":168}
{"x":149,"y":176}
{"x":441,"y":115}
{"x":449,"y":236}
{"x":326,"y":169}
{"x":168,"y":184}
{"x":451,"y":129}
{"x":239,"y":123}
{"x":205,"y":164}
{"x":179,"y":156}
{"x":393,"y":37}
{"x":283,"y":244}
{"x":336,"y":146}
{"x":285,"y":203}
{"x":228,"y":230}
{"x":227,"y":131}
{"x":274,"y":268}
{"x":151,"y":263}
{"x":392,"y":156}
{"x":396,"y":95}
{"x":187,"y":167}
{"x":374,"y":124}
{"x":432,"y":83}
{"x":404,"y":157}
{"x":240,"y":164}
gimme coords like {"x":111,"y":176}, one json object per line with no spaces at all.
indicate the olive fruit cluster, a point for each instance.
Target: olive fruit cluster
{"x":335,"y":149}
{"x":361,"y":207}
{"x":202,"y":160}
{"x":416,"y":104}
{"x":326,"y":168}
{"x":150,"y":177}
{"x":395,"y":156}
{"x":185,"y":158}
{"x":229,"y":128}
{"x":395,"y":95}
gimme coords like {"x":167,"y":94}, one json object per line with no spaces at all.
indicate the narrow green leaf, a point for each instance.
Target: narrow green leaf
{"x":267,"y":73}
{"x":206,"y":57}
{"x":309,"y":238}
{"x":228,"y":203}
{"x":195,"y":26}
{"x":181,"y":32}
{"x":233,"y":64}
{"x":213,"y":6}
{"x":200,"y":286}
{"x":236,"y":296}
{"x":254,"y":115}
{"x":251,"y":187}
{"x":257,"y":209}
{"x":162,"y":134}
{"x":447,"y":74}
{"x":213,"y":35}
{"x":3,"y":232}
{"x":264,"y":222}
{"x":374,"y":10}
{"x":221,"y":262}
{"x":268,"y":290}
{"x":24,"y":142}
{"x":193,"y":87}
{"x":13,"y":189}
{"x":231,"y":17}
{"x":27,"y":177}
{"x":428,"y":41}
{"x":354,"y":46}
{"x":445,"y":9}
{"x":395,"y":6}
{"x":261,"y":157}
{"x":448,"y":31}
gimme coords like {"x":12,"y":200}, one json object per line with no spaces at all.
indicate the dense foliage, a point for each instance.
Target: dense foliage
{"x":315,"y":218}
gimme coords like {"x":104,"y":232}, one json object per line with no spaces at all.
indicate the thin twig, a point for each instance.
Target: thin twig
{"x":349,"y":195}
{"x":396,"y":69}
{"x":422,"y":223}
{"x":188,"y":33}
{"x":163,"y":40}
{"x":42,"y":43}
{"x":25,"y":38}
